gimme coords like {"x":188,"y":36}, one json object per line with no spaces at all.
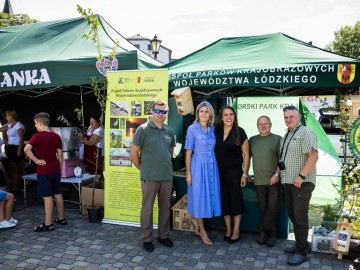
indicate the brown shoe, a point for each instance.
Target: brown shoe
{"x":261,"y":238}
{"x":270,"y":242}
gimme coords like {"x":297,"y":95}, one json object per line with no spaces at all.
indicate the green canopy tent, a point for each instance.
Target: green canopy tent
{"x":53,"y":57}
{"x":55,"y":54}
{"x":272,"y":64}
{"x":265,"y":65}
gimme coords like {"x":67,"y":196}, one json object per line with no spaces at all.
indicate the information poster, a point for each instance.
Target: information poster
{"x":129,"y":105}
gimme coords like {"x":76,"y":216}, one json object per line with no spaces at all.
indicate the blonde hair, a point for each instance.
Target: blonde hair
{"x":210,"y":110}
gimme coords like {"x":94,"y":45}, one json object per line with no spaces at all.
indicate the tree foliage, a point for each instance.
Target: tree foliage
{"x":15,"y":19}
{"x":347,"y":41}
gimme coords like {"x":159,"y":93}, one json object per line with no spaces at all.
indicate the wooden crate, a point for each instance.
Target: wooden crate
{"x":181,"y":220}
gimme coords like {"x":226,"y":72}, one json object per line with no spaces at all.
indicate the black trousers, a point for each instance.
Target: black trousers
{"x":298,"y":201}
{"x":269,"y":199}
{"x":232,"y":201}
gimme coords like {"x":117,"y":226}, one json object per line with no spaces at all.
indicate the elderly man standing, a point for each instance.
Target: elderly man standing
{"x":298,"y":157}
{"x":264,"y":149}
{"x":155,"y":142}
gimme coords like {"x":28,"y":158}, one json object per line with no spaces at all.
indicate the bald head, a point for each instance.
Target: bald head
{"x":264,"y":125}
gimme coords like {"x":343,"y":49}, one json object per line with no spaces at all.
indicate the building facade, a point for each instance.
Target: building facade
{"x":143,"y":44}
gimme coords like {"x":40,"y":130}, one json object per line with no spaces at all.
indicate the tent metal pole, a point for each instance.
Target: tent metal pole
{"x":82,"y":107}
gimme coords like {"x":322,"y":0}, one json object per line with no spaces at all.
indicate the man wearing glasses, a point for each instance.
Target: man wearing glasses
{"x":298,"y":157}
{"x":151,"y":152}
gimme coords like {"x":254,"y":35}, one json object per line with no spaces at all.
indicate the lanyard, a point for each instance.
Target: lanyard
{"x":282,"y":149}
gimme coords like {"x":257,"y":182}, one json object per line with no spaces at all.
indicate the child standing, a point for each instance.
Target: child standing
{"x":48,"y":160}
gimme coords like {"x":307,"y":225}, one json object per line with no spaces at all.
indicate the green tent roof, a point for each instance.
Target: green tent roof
{"x":272,"y":60}
{"x":52,"y":54}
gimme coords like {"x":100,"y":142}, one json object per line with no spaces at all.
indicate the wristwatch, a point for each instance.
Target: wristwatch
{"x":302,"y":177}
{"x":245,"y":175}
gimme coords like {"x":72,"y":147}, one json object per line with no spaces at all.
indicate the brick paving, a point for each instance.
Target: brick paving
{"x":84,"y":245}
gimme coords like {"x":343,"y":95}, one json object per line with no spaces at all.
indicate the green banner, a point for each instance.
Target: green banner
{"x":321,"y":75}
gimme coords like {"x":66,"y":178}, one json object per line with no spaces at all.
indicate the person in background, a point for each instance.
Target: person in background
{"x":151,"y":152}
{"x":48,"y":160}
{"x":202,"y":174}
{"x":264,"y":150}
{"x":13,"y":134}
{"x":94,"y":141}
{"x":232,"y":154}
{"x":3,"y":178}
{"x":6,"y":207}
{"x":298,"y":157}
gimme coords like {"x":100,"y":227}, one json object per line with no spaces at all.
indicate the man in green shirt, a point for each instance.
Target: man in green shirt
{"x":151,"y":152}
{"x":264,"y":149}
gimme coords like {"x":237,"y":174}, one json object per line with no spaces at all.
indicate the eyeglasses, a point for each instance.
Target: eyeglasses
{"x":157,"y":111}
{"x":290,"y":108}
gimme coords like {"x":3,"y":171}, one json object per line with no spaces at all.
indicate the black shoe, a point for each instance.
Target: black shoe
{"x":291,"y":249}
{"x":270,"y":242}
{"x":227,"y":238}
{"x":297,"y":259}
{"x":148,"y":246}
{"x":261,"y":238}
{"x":166,"y":242}
{"x":233,"y":241}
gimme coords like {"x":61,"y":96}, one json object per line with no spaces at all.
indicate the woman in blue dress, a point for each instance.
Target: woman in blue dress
{"x":202,"y":174}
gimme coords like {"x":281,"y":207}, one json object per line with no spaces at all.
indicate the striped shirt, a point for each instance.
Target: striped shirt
{"x":294,"y":147}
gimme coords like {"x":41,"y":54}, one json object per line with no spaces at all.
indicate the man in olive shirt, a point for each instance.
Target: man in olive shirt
{"x":264,"y":149}
{"x":151,"y":152}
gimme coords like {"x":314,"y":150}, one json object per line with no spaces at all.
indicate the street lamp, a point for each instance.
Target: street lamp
{"x":155,"y":46}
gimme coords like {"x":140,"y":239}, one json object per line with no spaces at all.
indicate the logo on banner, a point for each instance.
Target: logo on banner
{"x":346,"y":73}
{"x":105,"y":64}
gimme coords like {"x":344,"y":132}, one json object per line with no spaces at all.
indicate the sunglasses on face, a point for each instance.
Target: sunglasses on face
{"x":157,"y":111}
{"x":290,"y":108}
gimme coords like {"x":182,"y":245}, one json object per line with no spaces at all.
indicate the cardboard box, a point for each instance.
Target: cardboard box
{"x":181,"y":220}
{"x":86,"y":196}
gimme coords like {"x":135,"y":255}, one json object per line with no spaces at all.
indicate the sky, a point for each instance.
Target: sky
{"x":188,"y":25}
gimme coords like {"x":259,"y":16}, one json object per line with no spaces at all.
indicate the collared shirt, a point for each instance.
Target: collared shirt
{"x":296,"y":145}
{"x":155,"y":156}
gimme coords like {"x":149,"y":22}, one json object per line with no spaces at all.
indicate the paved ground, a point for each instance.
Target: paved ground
{"x":84,"y":245}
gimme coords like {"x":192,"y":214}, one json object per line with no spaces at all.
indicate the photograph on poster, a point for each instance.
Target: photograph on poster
{"x":148,"y":107}
{"x":114,"y":123}
{"x":136,"y":108}
{"x":127,"y":142}
{"x":122,"y":123}
{"x":132,"y":124}
{"x":119,"y":108}
{"x":116,"y":138}
{"x":120,"y":157}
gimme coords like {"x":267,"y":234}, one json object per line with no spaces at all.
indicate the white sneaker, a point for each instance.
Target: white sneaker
{"x":13,"y":221}
{"x":6,"y":224}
